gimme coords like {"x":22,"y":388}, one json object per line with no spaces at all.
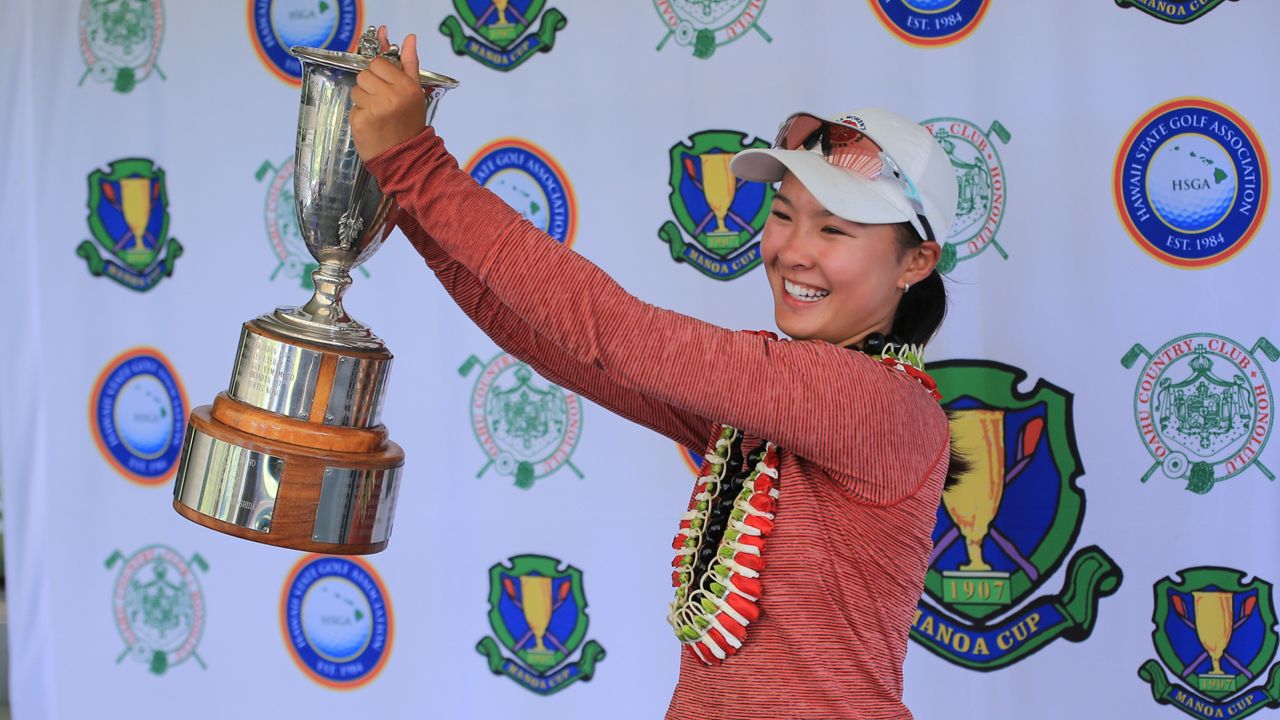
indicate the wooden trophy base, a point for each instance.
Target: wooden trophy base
{"x":289,"y":476}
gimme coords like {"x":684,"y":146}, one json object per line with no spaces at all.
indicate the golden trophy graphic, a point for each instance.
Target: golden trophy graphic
{"x":719,"y":185}
{"x":1215,"y":619}
{"x":135,"y":201}
{"x":978,"y":436}
{"x":535,"y":593}
{"x":502,"y":30}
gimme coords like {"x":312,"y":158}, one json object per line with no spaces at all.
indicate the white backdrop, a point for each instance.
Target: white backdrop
{"x":1088,"y":135}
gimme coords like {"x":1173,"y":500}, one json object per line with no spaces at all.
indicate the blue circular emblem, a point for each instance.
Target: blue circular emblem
{"x":1191,"y":183}
{"x":337,"y":620}
{"x":138,"y":412}
{"x":530,"y":181}
{"x":277,"y":25}
{"x":930,"y":23}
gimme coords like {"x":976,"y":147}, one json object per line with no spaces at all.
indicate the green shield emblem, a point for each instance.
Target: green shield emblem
{"x":537,"y":611}
{"x":501,"y":23}
{"x":129,"y":220}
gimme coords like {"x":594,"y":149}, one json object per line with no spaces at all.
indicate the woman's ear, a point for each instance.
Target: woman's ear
{"x":921,"y":260}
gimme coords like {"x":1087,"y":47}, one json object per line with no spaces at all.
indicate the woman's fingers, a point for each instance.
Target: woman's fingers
{"x":409,"y":56}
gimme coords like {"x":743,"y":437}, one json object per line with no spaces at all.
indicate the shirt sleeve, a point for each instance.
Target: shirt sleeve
{"x":514,"y":335}
{"x":874,"y":429}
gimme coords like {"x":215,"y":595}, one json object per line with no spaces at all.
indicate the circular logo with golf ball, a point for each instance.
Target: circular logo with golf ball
{"x":277,"y":25}
{"x":138,"y":412}
{"x":336,"y":619}
{"x":1191,"y":183}
{"x":530,"y":181}
{"x":930,"y":23}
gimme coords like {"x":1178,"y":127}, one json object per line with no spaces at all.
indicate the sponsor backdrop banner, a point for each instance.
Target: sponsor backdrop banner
{"x":1109,"y":354}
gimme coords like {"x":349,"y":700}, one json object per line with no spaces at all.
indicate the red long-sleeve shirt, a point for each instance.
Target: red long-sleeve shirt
{"x":864,"y":448}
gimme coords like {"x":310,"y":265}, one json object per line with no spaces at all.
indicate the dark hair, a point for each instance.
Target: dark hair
{"x":921,"y":309}
{"x":920,"y":312}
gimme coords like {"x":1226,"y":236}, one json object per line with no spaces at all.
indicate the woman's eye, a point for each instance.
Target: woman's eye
{"x":832,"y":230}
{"x":781,"y":215}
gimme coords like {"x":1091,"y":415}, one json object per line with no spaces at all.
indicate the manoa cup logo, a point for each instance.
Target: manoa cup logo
{"x":1216,"y":633}
{"x":137,"y":413}
{"x":280,"y":212}
{"x":277,"y":25}
{"x":1203,"y":408}
{"x":158,"y":607}
{"x":501,"y":41}
{"x":1008,"y":525}
{"x":1191,"y":183}
{"x":119,"y":41}
{"x":538,"y":613}
{"x":337,"y":620}
{"x":526,"y":426}
{"x":719,"y":212}
{"x":707,"y":24}
{"x":982,"y":196}
{"x":129,"y":219}
{"x":930,"y":23}
{"x":1174,"y":11}
{"x":531,"y":182}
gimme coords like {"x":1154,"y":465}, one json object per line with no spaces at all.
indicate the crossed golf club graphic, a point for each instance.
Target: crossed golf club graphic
{"x":1246,"y":611}
{"x":561,"y":595}
{"x":1028,"y":439}
{"x":738,"y":182}
{"x":109,"y":192}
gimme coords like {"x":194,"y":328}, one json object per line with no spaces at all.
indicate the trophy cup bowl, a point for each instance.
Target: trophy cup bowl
{"x":293,"y":453}
{"x":978,"y":434}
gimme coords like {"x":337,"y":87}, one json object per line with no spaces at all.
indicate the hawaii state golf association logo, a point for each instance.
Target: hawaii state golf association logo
{"x":158,"y":607}
{"x":277,"y":25}
{"x":337,"y":621}
{"x":500,"y":41}
{"x":1174,"y":11}
{"x":980,"y":205}
{"x":538,"y":612}
{"x":719,"y":212}
{"x":119,"y":41}
{"x":930,"y":23}
{"x":707,"y":24}
{"x":129,"y":219}
{"x":1191,"y":183}
{"x":137,"y":413}
{"x":526,"y":426}
{"x":1008,"y":525}
{"x":1203,"y":408}
{"x":1217,"y":634}
{"x":531,"y":182}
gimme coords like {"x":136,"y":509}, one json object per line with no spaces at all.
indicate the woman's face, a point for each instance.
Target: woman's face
{"x":833,"y":279}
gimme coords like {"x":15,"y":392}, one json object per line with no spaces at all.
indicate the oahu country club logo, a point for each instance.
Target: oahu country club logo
{"x":527,"y":427}
{"x":930,"y":23}
{"x":531,"y":182}
{"x":119,"y":41}
{"x":538,"y":613}
{"x":137,"y":413}
{"x":1191,"y":183}
{"x":337,"y":621}
{"x":1217,"y":634}
{"x":158,"y":607}
{"x":1203,"y":408}
{"x":129,"y":220}
{"x":501,"y":41}
{"x":707,"y":24}
{"x":719,"y":213}
{"x":277,"y":25}
{"x":1174,"y":11}
{"x":980,"y":205}
{"x":1010,"y":523}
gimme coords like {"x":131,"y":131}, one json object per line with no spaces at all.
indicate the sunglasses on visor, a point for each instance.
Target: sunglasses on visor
{"x":850,"y":148}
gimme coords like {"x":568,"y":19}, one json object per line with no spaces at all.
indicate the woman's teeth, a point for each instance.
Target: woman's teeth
{"x":804,"y":293}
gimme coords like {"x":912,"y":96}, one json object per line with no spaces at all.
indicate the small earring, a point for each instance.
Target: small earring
{"x":905,"y":287}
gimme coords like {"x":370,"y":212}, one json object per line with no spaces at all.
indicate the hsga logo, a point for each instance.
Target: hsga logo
{"x":277,"y":25}
{"x":1191,"y":183}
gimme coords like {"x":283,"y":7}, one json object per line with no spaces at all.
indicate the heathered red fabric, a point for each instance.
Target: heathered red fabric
{"x":864,"y":447}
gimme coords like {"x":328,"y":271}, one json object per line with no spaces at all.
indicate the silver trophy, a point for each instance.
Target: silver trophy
{"x":293,"y":453}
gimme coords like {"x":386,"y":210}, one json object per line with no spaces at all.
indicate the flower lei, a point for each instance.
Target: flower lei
{"x":721,"y":540}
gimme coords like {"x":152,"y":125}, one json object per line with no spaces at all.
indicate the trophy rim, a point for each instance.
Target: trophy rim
{"x":357,"y":63}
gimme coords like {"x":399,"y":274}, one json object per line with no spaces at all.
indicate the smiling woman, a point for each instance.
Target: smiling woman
{"x":826,"y":453}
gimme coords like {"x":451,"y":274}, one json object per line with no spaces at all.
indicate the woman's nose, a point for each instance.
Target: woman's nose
{"x":795,"y":249}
